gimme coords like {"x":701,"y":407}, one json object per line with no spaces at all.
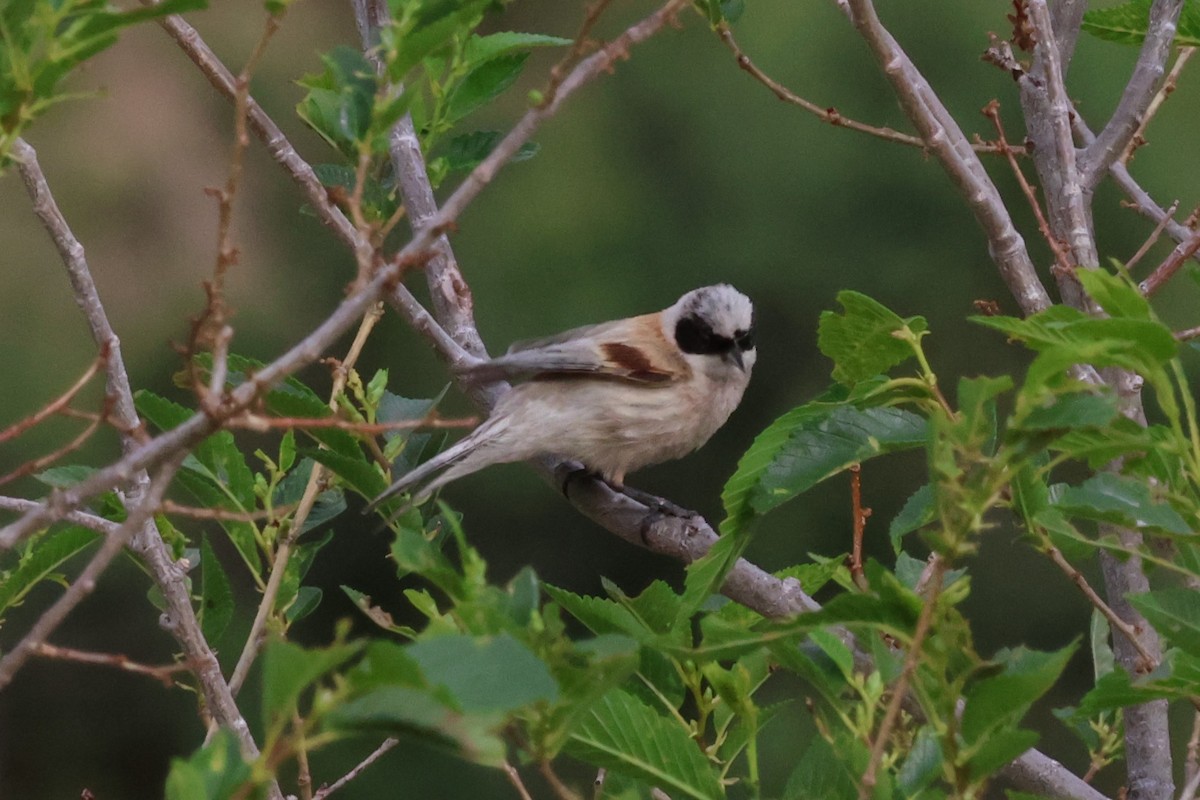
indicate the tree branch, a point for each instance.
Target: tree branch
{"x":947,"y":142}
{"x":1148,"y":73}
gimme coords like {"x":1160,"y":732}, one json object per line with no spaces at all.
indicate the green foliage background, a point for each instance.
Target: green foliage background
{"x":676,"y":171}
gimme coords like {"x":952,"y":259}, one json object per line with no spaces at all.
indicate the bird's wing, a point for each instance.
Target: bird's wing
{"x":631,"y":349}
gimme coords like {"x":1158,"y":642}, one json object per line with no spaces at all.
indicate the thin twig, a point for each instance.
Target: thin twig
{"x":55,"y":406}
{"x":561,"y":790}
{"x":830,"y":115}
{"x":312,"y":489}
{"x":171,"y":508}
{"x":514,"y":778}
{"x":1111,"y":142}
{"x":1153,"y":237}
{"x":1188,"y":334}
{"x":1114,"y":620}
{"x":992,"y":112}
{"x":1171,"y":264}
{"x":325,"y":791}
{"x":1169,"y":85}
{"x":860,"y":514}
{"x":866,"y":786}
{"x":85,"y":583}
{"x":38,"y":464}
{"x":946,"y":141}
{"x":81,"y":518}
{"x":163,"y":673}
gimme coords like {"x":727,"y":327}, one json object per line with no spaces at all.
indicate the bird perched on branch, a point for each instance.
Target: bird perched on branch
{"x":616,"y":396}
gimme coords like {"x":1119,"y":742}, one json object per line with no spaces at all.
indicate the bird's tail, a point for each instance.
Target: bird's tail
{"x":456,"y":462}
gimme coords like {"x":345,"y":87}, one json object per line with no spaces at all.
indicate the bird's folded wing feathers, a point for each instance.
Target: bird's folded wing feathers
{"x":632,"y":350}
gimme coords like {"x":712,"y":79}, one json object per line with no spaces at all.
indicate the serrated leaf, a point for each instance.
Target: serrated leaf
{"x":822,"y":774}
{"x":622,"y":734}
{"x":862,"y":340}
{"x":1000,"y":701}
{"x":40,"y":557}
{"x":492,"y":675}
{"x":1121,"y":500}
{"x":1128,"y":23}
{"x":484,"y":83}
{"x":289,"y":669}
{"x":466,"y":151}
{"x":481,"y":48}
{"x":217,"y":771}
{"x":1070,"y":411}
{"x":1118,"y":296}
{"x":1175,"y":614}
{"x":216,"y":594}
{"x":356,"y":471}
{"x":918,"y":511}
{"x":374,"y":613}
{"x":808,"y":445}
{"x":598,"y":614}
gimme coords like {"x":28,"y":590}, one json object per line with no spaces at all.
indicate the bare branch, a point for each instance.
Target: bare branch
{"x":1153,"y":237}
{"x":1167,"y":269}
{"x":82,"y":518}
{"x":830,"y":115}
{"x":55,"y":406}
{"x":171,"y":579}
{"x":164,"y":673}
{"x":325,"y":791}
{"x":946,"y":141}
{"x":83,"y":585}
{"x":1148,"y":73}
{"x":1066,"y":16}
{"x":1169,"y":85}
{"x":992,"y":111}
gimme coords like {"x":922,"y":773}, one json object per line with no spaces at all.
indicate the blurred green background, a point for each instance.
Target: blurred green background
{"x":675,"y":171}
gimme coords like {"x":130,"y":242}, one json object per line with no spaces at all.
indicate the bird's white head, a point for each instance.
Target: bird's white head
{"x":714,"y":324}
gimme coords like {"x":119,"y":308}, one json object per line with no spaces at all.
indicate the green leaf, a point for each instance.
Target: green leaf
{"x":426,"y":26}
{"x":1175,"y":614}
{"x":598,"y":614}
{"x":1000,"y":701}
{"x":376,"y":614}
{"x":622,"y":734}
{"x":306,"y":602}
{"x":1070,"y":411}
{"x":1000,"y":748}
{"x":484,"y":83}
{"x":1128,"y":23}
{"x":217,"y":771}
{"x":1088,"y":339}
{"x":1118,"y":296}
{"x":923,"y":764}
{"x":863,"y":341}
{"x":40,"y":557}
{"x":822,"y":774}
{"x":356,"y":471}
{"x":498,"y":674}
{"x":289,"y":669}
{"x":340,"y":99}
{"x":808,"y":445}
{"x":481,"y":48}
{"x":216,"y":594}
{"x":918,"y":511}
{"x":1120,"y":500}
{"x":466,"y":151}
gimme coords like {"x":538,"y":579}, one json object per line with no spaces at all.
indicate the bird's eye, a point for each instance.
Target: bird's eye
{"x":745,"y":339}
{"x":696,"y":336}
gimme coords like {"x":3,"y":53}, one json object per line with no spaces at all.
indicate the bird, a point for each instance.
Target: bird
{"x":614,"y":396}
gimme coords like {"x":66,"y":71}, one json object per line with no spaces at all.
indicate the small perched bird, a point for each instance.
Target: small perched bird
{"x":615,"y":396}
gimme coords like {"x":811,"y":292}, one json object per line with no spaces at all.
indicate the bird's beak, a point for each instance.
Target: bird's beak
{"x":735,"y":355}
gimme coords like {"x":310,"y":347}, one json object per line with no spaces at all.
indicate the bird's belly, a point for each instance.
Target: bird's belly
{"x":614,"y":428}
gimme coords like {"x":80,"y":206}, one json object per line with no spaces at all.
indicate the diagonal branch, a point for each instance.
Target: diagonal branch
{"x":1148,"y":73}
{"x":144,"y":537}
{"x":947,"y":142}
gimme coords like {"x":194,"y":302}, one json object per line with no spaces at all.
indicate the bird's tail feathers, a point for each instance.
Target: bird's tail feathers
{"x":451,"y":460}
{"x":415,"y":477}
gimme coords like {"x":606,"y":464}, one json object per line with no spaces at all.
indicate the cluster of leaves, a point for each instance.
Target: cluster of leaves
{"x":41,"y":42}
{"x":433,"y":67}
